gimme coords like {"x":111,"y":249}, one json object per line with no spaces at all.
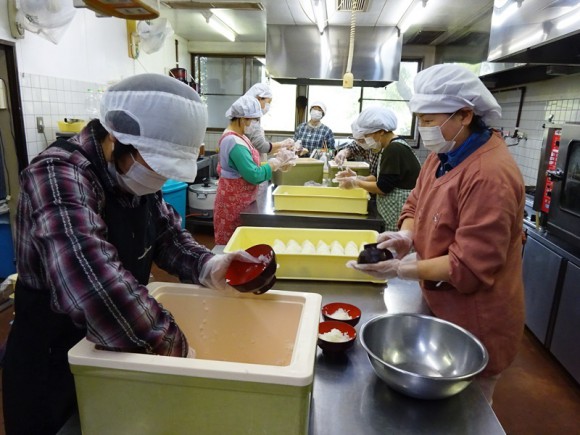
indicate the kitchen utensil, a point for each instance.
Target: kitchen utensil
{"x":257,"y":278}
{"x":202,"y":196}
{"x":329,"y":334}
{"x":372,"y":254}
{"x":336,"y":310}
{"x":422,"y":356}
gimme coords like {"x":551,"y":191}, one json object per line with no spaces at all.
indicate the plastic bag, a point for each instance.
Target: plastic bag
{"x":47,"y":18}
{"x":152,"y":34}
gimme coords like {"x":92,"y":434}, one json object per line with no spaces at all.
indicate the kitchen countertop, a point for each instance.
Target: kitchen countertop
{"x":349,"y":398}
{"x":261,"y":213}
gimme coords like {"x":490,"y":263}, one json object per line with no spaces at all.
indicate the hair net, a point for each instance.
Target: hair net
{"x":245,"y":107}
{"x":376,"y":118}
{"x":319,"y":104}
{"x":163,"y":118}
{"x":261,"y":90}
{"x":447,"y":88}
{"x":356,"y":131}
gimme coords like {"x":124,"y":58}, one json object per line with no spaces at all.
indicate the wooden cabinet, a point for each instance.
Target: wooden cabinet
{"x":565,"y":345}
{"x":542,"y":270}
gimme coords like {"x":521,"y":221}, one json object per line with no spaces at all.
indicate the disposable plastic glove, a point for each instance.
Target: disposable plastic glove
{"x":382,"y":270}
{"x":275,"y":163}
{"x":407,"y":268}
{"x":346,"y":173}
{"x":213,"y":273}
{"x":399,"y":241}
{"x":341,"y":157}
{"x":287,"y":159}
{"x":287,"y":143}
{"x":346,"y":182}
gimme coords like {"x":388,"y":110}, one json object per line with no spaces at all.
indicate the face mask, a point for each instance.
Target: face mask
{"x":266,"y":108}
{"x":249,"y":129}
{"x":316,"y":115}
{"x":363,"y":144}
{"x":372,"y":143}
{"x":434,"y":140}
{"x":139,"y":180}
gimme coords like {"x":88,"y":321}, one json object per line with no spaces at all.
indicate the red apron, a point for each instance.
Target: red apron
{"x":233,"y":195}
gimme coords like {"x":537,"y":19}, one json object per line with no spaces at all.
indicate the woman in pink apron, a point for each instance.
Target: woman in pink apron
{"x":239,"y":167}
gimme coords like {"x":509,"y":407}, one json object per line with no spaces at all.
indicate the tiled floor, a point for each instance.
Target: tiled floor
{"x":535,"y":396}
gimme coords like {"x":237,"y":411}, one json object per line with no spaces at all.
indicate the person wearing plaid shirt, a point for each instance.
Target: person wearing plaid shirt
{"x":314,"y":134}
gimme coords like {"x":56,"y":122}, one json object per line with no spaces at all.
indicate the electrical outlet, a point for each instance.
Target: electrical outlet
{"x":40,"y":124}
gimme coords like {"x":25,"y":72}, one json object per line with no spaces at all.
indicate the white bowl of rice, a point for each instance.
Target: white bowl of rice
{"x":335,"y":336}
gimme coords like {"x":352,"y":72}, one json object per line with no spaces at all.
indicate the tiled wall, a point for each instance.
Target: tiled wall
{"x":555,"y":101}
{"x":53,"y":99}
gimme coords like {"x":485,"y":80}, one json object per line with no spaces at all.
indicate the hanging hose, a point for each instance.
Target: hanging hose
{"x":352,"y":33}
{"x":348,"y":78}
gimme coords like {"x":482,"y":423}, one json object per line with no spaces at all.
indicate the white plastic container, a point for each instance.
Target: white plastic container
{"x":253,"y":372}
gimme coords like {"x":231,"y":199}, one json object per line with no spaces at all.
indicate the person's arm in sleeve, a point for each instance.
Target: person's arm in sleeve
{"x":87,"y":281}
{"x":258,"y":139}
{"x":241,"y":160}
{"x":330,"y":140}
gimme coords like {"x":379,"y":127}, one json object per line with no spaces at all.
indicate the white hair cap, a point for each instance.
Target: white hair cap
{"x":376,"y":118}
{"x":163,"y":118}
{"x":244,"y":107}
{"x":356,"y":132}
{"x":319,"y":104}
{"x":447,"y":88}
{"x":260,"y":90}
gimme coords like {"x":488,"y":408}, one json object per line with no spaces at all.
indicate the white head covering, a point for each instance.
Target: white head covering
{"x":319,"y":104}
{"x":376,"y":118}
{"x":163,"y":118}
{"x":356,"y":132}
{"x":260,"y":90}
{"x":245,"y":107}
{"x":447,"y":88}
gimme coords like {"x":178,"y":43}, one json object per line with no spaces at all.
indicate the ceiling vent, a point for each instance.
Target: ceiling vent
{"x":240,"y":6}
{"x":348,"y":5}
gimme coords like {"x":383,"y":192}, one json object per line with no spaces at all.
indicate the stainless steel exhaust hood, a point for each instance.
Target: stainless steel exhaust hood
{"x":535,"y":32}
{"x":301,"y":55}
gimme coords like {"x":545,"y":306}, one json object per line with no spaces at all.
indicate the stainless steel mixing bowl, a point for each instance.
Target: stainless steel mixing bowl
{"x":422,"y":356}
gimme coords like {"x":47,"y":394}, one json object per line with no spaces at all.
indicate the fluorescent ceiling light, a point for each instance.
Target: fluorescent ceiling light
{"x":319,"y":8}
{"x":219,"y":26}
{"x":415,"y":15}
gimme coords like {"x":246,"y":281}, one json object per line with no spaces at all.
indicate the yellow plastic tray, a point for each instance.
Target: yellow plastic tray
{"x":71,"y":127}
{"x":307,"y":266}
{"x":321,"y":199}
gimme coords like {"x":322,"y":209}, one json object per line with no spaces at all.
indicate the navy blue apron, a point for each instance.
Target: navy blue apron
{"x":38,"y":387}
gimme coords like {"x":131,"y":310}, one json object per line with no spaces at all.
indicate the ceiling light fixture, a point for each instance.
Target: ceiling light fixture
{"x":320,"y":15}
{"x":219,"y":26}
{"x":412,"y":15}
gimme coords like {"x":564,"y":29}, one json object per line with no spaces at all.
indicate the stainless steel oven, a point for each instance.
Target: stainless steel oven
{"x":564,"y":206}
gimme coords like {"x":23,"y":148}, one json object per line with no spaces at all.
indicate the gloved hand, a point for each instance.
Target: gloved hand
{"x":283,"y":145}
{"x":213,"y":273}
{"x":287,"y":159}
{"x":407,"y":268}
{"x":346,"y":182}
{"x":399,"y":241}
{"x":275,"y":163}
{"x":346,"y":173}
{"x":191,"y":353}
{"x":297,"y":146}
{"x":341,"y":157}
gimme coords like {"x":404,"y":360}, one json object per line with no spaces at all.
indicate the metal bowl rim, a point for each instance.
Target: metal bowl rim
{"x":436,"y":319}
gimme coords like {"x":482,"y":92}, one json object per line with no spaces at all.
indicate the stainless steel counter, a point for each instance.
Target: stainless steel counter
{"x":349,"y":398}
{"x":261,"y":213}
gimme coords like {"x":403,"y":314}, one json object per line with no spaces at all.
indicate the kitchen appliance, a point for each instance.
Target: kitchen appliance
{"x":201,"y":199}
{"x":548,"y":159}
{"x":563,"y":184}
